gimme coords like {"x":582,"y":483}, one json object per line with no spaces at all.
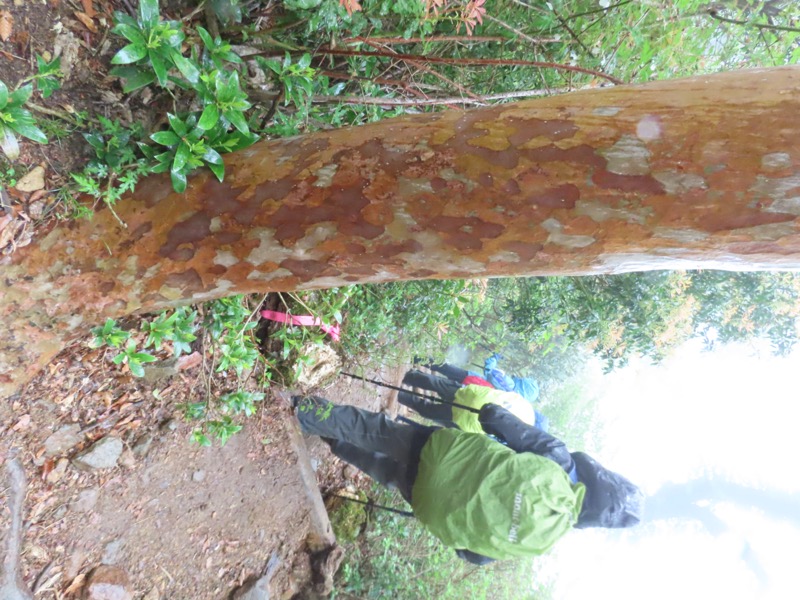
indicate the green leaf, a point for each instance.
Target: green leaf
{"x":25,"y":125}
{"x":218,"y":170}
{"x":182,"y":155}
{"x":134,"y":78}
{"x":201,"y":439}
{"x":143,"y":357}
{"x":159,"y":68}
{"x":129,"y":54}
{"x":165,"y":138}
{"x":206,"y":37}
{"x":212,"y":157}
{"x":231,"y":57}
{"x":209,"y":118}
{"x":177,"y":125}
{"x":137,"y":370}
{"x":237,"y":120}
{"x":125,"y":19}
{"x":178,"y":181}
{"x":48,"y":85}
{"x":3,"y":95}
{"x":305,"y":61}
{"x":187,"y":68}
{"x":148,"y":12}
{"x":20,"y":96}
{"x":8,"y":143}
{"x":119,"y":358}
{"x":131,"y":33}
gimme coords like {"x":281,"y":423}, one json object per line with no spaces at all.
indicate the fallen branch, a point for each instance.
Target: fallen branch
{"x":714,"y":14}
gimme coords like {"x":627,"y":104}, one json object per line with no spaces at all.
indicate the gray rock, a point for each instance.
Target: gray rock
{"x":58,"y":471}
{"x":86,"y":500}
{"x":111,"y":552}
{"x":258,"y":589}
{"x":63,"y":440}
{"x":198,"y":476}
{"x":107,"y":583}
{"x":127,"y":459}
{"x":168,"y":425}
{"x":103,"y":454}
{"x":163,"y":369}
{"x":142,"y":445}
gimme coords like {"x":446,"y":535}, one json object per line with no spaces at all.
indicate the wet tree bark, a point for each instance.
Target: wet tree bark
{"x":701,"y":172}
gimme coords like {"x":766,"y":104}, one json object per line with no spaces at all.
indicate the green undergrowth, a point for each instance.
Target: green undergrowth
{"x":396,"y":557}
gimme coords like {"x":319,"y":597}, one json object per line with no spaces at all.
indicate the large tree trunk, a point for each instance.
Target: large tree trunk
{"x":696,"y":172}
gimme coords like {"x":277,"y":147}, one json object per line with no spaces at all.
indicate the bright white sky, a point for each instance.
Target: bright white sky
{"x":736,"y":412}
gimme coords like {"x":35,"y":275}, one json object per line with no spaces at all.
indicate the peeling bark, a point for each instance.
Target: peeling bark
{"x":701,"y":172}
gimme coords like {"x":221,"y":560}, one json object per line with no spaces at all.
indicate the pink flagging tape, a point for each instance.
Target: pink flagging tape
{"x":304,"y":320}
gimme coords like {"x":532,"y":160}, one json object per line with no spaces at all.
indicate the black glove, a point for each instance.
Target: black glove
{"x":474,"y":558}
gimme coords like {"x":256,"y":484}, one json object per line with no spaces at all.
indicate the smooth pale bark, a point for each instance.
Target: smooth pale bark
{"x":701,"y":172}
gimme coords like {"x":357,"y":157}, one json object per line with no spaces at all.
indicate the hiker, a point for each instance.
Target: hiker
{"x":527,"y":387}
{"x":474,"y":394}
{"x":486,"y":499}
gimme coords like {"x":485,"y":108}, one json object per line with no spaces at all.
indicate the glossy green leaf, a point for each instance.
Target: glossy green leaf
{"x":20,"y":96}
{"x":181,"y":157}
{"x":218,"y":170}
{"x":187,"y":68}
{"x":133,"y":77}
{"x":178,"y":181}
{"x":131,"y":33}
{"x":159,"y":67}
{"x":209,"y":118}
{"x":237,"y":120}
{"x":148,"y":12}
{"x":129,"y":54}
{"x":25,"y":125}
{"x":206,"y":37}
{"x":177,"y":125}
{"x":165,"y":138}
{"x":3,"y":95}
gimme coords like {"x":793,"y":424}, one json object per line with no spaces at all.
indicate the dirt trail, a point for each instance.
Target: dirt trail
{"x":184,"y":522}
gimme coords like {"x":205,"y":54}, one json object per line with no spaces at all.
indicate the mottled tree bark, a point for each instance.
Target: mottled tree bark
{"x":702,"y":172}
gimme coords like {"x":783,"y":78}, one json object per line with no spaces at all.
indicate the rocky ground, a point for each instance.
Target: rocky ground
{"x":119,"y":498}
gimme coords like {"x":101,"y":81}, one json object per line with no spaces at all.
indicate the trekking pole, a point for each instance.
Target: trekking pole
{"x":405,"y":513}
{"x":433,"y":398}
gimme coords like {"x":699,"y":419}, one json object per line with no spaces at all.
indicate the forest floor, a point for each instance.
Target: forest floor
{"x":183,"y":522}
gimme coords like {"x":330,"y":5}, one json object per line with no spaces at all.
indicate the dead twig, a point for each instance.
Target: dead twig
{"x":388,"y":41}
{"x":714,"y":14}
{"x":521,"y":34}
{"x":460,"y":61}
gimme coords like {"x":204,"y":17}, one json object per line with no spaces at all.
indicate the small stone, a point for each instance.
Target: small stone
{"x":111,"y":552}
{"x":142,"y":445}
{"x":107,"y":583}
{"x":315,"y":463}
{"x":198,"y":476}
{"x":153,"y":594}
{"x":63,"y":440}
{"x":350,"y":472}
{"x":36,"y":209}
{"x":258,"y":588}
{"x":127,"y":459}
{"x":33,"y":180}
{"x":103,"y":454}
{"x":163,"y":369}
{"x":86,"y":500}
{"x":58,"y":471}
{"x":168,"y":425}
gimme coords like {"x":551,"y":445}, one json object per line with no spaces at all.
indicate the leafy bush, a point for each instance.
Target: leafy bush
{"x":16,"y":120}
